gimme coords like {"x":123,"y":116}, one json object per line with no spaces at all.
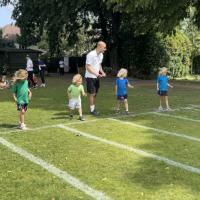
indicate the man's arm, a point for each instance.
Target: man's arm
{"x":92,"y":70}
{"x":103,"y":74}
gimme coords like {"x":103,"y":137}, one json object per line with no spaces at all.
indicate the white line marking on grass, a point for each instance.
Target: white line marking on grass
{"x":56,"y":171}
{"x":177,"y":117}
{"x":132,"y":149}
{"x":157,"y":130}
{"x":43,"y":127}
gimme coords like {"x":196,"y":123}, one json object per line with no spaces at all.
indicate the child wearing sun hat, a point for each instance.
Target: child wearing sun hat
{"x":21,"y":94}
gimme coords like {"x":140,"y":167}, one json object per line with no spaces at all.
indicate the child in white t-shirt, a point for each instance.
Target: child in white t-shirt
{"x":75,"y":90}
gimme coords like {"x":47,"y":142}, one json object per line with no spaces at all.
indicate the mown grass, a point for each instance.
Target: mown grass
{"x":119,"y":173}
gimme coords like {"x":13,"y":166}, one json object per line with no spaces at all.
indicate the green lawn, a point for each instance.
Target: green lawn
{"x":104,"y":167}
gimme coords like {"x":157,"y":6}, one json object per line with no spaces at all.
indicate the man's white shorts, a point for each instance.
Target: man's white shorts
{"x":74,"y":103}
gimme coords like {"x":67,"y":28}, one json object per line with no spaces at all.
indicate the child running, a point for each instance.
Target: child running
{"x":74,"y":92}
{"x":121,"y":89}
{"x":162,"y":88}
{"x":21,"y":95}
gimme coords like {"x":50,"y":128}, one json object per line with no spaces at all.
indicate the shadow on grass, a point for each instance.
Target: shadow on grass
{"x":8,"y":126}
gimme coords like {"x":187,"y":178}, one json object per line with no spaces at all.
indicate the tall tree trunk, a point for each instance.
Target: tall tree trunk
{"x":114,"y":42}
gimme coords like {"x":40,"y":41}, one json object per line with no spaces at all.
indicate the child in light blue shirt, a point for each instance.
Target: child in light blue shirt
{"x":162,"y":88}
{"x":121,"y":89}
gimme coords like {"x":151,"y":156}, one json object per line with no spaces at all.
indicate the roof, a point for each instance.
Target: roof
{"x":10,"y":31}
{"x":19,"y":50}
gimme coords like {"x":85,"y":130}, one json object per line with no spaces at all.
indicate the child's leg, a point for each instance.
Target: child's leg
{"x":118,"y":105}
{"x":71,"y":112}
{"x":22,"y":116}
{"x":126,"y":104}
{"x":160,"y":101}
{"x":167,"y":102}
{"x":80,"y":111}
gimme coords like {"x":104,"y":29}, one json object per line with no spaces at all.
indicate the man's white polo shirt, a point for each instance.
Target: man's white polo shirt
{"x":95,"y":61}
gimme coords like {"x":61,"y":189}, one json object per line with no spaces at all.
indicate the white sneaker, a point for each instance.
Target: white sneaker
{"x":42,"y":85}
{"x":160,"y":108}
{"x":23,"y":127}
{"x":169,"y":109}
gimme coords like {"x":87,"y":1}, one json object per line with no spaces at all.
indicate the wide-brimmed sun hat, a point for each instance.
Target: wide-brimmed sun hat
{"x":21,"y":74}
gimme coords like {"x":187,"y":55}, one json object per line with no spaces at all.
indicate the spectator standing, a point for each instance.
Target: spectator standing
{"x":61,"y":67}
{"x":29,"y":69}
{"x":42,"y":68}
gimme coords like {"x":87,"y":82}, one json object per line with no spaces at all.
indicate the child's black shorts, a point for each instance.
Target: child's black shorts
{"x":122,"y":97}
{"x":21,"y":107}
{"x":162,"y":93}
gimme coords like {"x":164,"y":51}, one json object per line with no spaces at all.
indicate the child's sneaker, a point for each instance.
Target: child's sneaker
{"x":23,"y":127}
{"x":117,"y":111}
{"x":127,"y":113}
{"x":160,"y":108}
{"x":169,"y":109}
{"x":81,"y":118}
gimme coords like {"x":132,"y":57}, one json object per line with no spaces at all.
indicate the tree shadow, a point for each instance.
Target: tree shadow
{"x":8,"y":126}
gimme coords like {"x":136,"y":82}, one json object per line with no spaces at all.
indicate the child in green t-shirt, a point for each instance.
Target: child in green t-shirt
{"x":21,"y":94}
{"x":74,"y":94}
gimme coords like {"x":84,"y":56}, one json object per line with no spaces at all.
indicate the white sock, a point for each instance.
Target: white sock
{"x":92,"y":108}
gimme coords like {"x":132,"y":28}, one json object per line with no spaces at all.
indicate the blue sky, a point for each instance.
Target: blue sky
{"x":5,"y":15}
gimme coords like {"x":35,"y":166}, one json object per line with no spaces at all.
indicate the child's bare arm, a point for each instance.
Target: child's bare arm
{"x":115,"y":89}
{"x":69,"y":94}
{"x":171,"y":86}
{"x":29,"y":94}
{"x":157,"y":86}
{"x":83,"y":93}
{"x":14,"y":97}
{"x":130,"y":86}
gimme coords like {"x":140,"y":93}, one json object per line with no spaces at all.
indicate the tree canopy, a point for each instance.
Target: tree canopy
{"x":109,"y":20}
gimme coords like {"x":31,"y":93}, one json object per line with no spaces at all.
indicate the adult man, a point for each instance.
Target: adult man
{"x":29,"y":69}
{"x":42,"y":68}
{"x":93,"y":73}
{"x":61,"y":67}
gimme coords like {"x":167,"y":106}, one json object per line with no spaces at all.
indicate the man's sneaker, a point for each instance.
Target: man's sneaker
{"x":160,"y":108}
{"x":95,"y":113}
{"x":81,"y":118}
{"x":71,"y":116}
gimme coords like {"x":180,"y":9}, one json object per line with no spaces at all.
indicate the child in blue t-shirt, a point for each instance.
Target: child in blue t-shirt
{"x":162,"y":88}
{"x":121,"y":89}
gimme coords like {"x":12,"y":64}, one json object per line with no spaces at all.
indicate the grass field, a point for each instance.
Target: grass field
{"x":144,"y":156}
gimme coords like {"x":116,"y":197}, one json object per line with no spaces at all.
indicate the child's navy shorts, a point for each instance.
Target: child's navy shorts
{"x":162,"y":93}
{"x":122,"y":97}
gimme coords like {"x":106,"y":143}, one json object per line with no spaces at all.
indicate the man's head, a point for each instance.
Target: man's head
{"x":101,"y":47}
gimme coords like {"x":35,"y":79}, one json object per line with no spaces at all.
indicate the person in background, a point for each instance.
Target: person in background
{"x":93,"y":73}
{"x":29,"y":69}
{"x":121,"y":89}
{"x":21,"y":95}
{"x":61,"y":67}
{"x":162,"y":89}
{"x":42,"y":68}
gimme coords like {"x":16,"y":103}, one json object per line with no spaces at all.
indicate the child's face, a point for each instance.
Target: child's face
{"x":79,"y":82}
{"x":165,"y":71}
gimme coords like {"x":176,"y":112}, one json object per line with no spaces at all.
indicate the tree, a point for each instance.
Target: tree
{"x":63,"y":20}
